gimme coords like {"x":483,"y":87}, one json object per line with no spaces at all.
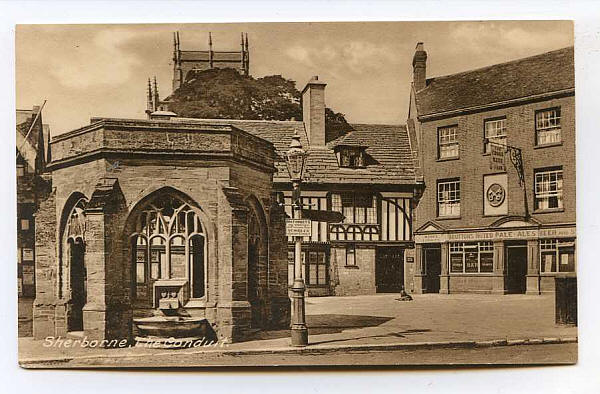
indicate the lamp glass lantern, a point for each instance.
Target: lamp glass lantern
{"x":295,"y":158}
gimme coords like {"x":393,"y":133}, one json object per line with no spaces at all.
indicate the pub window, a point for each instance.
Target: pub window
{"x":474,"y":257}
{"x":557,"y":255}
{"x":547,"y":126}
{"x":350,"y":255}
{"x":447,"y":142}
{"x":448,"y":198}
{"x":495,"y":132}
{"x":24,"y":224}
{"x":549,"y":189}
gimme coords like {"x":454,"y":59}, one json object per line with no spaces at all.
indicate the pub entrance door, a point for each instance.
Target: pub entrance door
{"x":389,"y":269}
{"x":433,"y":269}
{"x":516,"y":268}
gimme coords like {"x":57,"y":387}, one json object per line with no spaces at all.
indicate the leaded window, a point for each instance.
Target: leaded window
{"x":169,"y":243}
{"x":549,"y":189}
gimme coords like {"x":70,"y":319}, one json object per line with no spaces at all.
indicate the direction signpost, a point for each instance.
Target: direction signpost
{"x":298,"y":228}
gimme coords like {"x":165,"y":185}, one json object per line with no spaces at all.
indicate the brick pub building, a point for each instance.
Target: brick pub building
{"x":477,"y":228}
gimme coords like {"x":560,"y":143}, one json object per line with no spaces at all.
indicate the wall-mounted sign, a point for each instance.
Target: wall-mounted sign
{"x":499,"y":235}
{"x":410,"y":259}
{"x":497,"y":157}
{"x":298,"y":228}
{"x":495,"y":194}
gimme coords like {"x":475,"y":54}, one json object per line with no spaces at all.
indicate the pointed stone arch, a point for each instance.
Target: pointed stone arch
{"x":72,"y":276}
{"x":180,"y":245}
{"x":258,"y":261}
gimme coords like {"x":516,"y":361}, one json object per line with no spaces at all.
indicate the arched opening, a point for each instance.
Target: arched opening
{"x":253,"y":269}
{"x":257,"y":262}
{"x":75,"y":246}
{"x":168,"y":242}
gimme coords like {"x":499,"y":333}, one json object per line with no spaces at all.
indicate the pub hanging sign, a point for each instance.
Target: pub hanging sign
{"x":497,"y":157}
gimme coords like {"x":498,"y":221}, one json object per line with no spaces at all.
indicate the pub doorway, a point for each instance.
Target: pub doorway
{"x":389,"y":269}
{"x":516,"y":268}
{"x":433,"y":268}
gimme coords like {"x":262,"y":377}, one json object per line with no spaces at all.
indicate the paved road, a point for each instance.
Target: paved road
{"x":539,"y":354}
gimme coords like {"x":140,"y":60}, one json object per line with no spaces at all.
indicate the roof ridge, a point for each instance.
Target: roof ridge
{"x":495,"y":65}
{"x":240,"y":120}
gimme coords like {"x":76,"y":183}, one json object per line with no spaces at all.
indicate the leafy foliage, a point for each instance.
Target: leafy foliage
{"x":226,"y":94}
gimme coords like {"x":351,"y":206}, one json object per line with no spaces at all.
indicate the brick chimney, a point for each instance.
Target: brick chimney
{"x":419,"y":67}
{"x":313,"y":111}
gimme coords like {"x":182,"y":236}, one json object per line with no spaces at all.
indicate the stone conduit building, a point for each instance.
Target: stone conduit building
{"x":136,"y":201}
{"x":476,"y":228}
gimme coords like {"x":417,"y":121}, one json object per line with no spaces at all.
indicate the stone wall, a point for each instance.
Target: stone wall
{"x":353,"y":280}
{"x":223,"y":188}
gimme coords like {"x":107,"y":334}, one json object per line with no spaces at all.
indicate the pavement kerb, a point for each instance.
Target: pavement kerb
{"x":311,"y":350}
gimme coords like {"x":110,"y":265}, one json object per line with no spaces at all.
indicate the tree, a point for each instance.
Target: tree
{"x":226,"y":94}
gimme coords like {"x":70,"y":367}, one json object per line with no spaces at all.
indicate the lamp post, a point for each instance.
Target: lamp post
{"x":295,"y":158}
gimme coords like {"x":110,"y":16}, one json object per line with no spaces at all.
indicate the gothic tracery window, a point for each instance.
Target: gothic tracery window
{"x":168,"y":243}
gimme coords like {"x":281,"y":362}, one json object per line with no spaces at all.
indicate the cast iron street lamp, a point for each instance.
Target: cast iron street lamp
{"x":295,"y":158}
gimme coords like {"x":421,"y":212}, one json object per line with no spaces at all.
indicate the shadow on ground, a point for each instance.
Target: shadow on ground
{"x":326,"y":324}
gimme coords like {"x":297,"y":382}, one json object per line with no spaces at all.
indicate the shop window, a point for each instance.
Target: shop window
{"x":494,"y":132}
{"x":549,"y":189}
{"x":350,"y":255}
{"x":447,"y":142}
{"x":557,"y":255}
{"x":475,"y":257}
{"x":448,"y":198}
{"x":547,"y":126}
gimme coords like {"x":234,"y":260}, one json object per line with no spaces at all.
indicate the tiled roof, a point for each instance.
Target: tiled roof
{"x":545,"y":73}
{"x":350,"y":139}
{"x":389,"y":158}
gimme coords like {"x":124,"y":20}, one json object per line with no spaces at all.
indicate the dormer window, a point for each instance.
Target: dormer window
{"x":351,"y":157}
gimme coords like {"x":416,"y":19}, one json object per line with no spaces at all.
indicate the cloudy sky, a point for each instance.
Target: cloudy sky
{"x":101,"y":70}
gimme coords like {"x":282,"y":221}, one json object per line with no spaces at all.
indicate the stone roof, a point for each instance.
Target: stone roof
{"x":350,"y":139}
{"x":389,"y":159}
{"x":536,"y":75}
